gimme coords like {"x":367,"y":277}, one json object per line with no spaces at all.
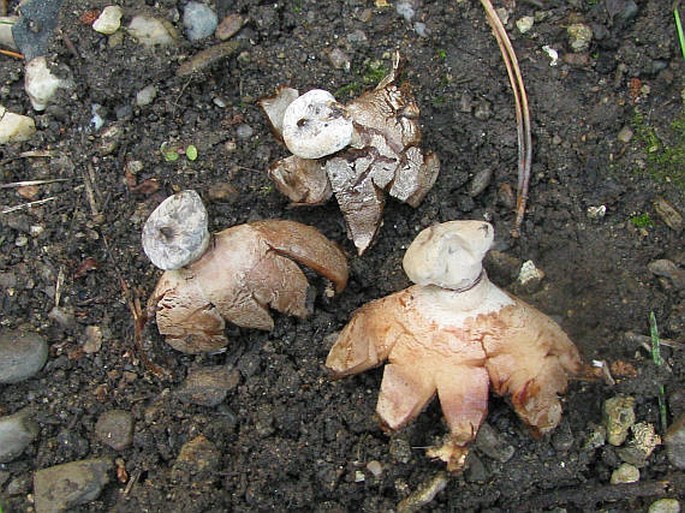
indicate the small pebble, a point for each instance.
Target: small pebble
{"x":16,"y":433}
{"x":22,"y":355}
{"x":41,"y":84}
{"x":483,"y":110}
{"x":405,"y":9}
{"x":15,"y":127}
{"x":480,"y":181}
{"x":424,"y":494}
{"x":625,"y":135}
{"x":625,"y":473}
{"x":579,"y":36}
{"x":199,"y":20}
{"x":150,"y":31}
{"x":674,"y":440}
{"x":109,"y":20}
{"x":618,"y":417}
{"x":669,"y":215}
{"x":664,"y":506}
{"x":244,"y":131}
{"x":92,"y":339}
{"x":208,"y":386}
{"x":525,"y":24}
{"x":339,"y":59}
{"x":146,"y":95}
{"x":63,"y":487}
{"x":489,"y":442}
{"x":667,"y":269}
{"x":115,"y":429}
{"x":197,"y":461}
{"x":375,"y":468}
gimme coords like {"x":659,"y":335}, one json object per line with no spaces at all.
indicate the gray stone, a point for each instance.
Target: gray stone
{"x":208,"y":386}
{"x":199,"y":20}
{"x":674,"y":440}
{"x":490,"y":443}
{"x":16,"y":433}
{"x":62,"y":487}
{"x":22,"y":354}
{"x":115,"y":428}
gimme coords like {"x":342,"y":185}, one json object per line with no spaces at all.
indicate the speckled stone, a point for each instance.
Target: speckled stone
{"x":22,"y":355}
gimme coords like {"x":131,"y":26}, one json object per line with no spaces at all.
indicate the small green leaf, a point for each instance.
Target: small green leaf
{"x":169,"y":155}
{"x":191,"y":152}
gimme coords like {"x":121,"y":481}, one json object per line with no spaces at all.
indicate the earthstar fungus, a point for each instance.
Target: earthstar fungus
{"x":242,"y":272}
{"x":357,"y":152}
{"x":455,"y":334}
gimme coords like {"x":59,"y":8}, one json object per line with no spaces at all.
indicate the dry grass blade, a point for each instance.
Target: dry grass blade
{"x":525,"y":141}
{"x":25,"y":183}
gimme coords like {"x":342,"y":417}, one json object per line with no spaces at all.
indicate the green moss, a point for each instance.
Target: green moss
{"x":365,"y":78}
{"x":642,"y":221}
{"x":665,"y":161}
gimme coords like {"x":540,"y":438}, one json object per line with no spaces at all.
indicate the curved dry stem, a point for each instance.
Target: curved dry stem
{"x":525,"y":141}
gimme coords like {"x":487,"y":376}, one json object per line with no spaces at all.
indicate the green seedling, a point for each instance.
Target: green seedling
{"x":679,"y":28}
{"x":658,"y":361}
{"x":172,"y":154}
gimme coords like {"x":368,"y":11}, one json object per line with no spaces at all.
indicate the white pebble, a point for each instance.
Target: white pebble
{"x":109,"y":20}
{"x":146,"y":95}
{"x":150,"y":31}
{"x":15,"y":127}
{"x":41,"y":84}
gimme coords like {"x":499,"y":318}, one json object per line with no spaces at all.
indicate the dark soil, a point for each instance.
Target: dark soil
{"x":289,"y":438}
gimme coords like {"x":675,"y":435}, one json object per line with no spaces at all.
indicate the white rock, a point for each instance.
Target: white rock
{"x":109,"y":20}
{"x":15,"y":127}
{"x":41,"y":84}
{"x":150,"y":31}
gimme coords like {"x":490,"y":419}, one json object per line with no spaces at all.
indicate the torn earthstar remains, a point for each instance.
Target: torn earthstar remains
{"x":357,"y":152}
{"x":235,"y":275}
{"x":456,"y":335}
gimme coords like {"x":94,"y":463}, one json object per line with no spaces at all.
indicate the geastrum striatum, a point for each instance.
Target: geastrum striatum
{"x":357,"y":152}
{"x":457,"y":335}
